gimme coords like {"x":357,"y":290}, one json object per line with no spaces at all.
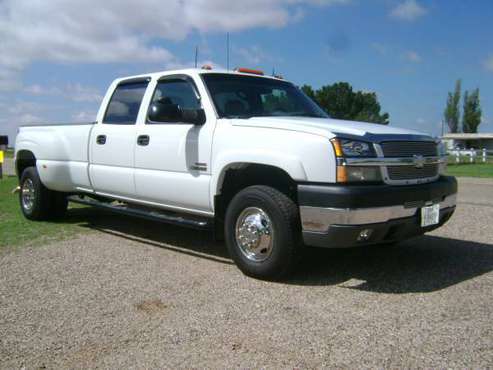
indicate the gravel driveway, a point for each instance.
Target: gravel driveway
{"x":132,"y":293}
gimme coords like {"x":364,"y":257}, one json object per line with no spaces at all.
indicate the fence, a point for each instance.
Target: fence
{"x":458,"y":156}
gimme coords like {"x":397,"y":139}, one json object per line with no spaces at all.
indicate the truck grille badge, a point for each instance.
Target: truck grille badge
{"x":419,"y":161}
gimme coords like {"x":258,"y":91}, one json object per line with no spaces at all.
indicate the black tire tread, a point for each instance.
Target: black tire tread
{"x":290,"y":220}
{"x":48,"y":204}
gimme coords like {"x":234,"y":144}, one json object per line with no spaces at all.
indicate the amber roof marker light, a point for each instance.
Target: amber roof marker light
{"x":250,"y":71}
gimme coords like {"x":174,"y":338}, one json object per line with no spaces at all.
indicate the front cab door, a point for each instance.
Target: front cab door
{"x":172,"y":158}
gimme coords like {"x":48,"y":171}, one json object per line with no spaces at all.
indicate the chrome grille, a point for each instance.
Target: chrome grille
{"x":409,"y":148}
{"x":411,"y":172}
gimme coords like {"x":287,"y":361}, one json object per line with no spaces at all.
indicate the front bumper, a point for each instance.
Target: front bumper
{"x":336,"y":215}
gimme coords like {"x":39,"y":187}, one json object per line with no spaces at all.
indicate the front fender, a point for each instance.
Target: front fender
{"x":290,"y":164}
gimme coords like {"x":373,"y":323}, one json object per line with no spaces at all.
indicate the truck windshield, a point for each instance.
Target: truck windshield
{"x":239,"y":96}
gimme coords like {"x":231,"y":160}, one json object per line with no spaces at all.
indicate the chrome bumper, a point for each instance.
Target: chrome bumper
{"x":317,"y":219}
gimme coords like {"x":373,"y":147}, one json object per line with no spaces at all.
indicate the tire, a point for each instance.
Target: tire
{"x":36,"y":201}
{"x":262,"y":232}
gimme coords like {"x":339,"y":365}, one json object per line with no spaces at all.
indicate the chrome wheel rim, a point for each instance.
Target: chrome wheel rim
{"x":254,"y":234}
{"x":28,"y":195}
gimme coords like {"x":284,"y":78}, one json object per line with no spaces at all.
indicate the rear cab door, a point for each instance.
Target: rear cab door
{"x":112,"y":141}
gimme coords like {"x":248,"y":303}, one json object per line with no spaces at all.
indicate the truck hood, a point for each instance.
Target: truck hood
{"x":324,"y":126}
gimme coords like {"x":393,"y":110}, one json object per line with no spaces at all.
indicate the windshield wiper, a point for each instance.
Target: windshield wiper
{"x":237,"y":117}
{"x":299,"y":114}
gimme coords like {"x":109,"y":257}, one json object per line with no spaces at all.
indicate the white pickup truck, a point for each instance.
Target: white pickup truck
{"x":247,"y":155}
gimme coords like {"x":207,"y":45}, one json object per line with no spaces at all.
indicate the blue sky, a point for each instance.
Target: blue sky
{"x":58,"y":57}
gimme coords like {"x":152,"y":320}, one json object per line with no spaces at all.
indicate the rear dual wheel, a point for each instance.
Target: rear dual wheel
{"x":262,"y":232}
{"x":37,"y":202}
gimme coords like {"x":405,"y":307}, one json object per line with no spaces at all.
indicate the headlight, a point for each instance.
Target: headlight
{"x":346,"y":148}
{"x":352,"y":148}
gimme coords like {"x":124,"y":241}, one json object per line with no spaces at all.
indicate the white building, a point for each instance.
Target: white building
{"x":469,"y":141}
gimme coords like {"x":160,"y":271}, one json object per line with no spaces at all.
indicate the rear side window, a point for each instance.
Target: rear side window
{"x":125,"y":103}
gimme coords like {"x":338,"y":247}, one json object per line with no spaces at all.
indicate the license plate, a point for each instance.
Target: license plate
{"x":430,"y":215}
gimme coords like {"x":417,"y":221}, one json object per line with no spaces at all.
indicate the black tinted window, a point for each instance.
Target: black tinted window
{"x":175,"y":92}
{"x":239,"y":96}
{"x":179,"y":92}
{"x":125,"y":103}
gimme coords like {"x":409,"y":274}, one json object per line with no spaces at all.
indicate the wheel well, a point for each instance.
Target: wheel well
{"x":24,"y":159}
{"x":243,"y":175}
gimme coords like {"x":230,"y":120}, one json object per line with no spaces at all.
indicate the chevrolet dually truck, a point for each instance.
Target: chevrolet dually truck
{"x":246,"y":155}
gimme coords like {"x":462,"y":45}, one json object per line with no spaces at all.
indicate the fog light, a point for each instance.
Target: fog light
{"x":364,"y":235}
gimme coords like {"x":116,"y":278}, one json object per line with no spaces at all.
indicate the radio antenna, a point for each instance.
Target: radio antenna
{"x":227,"y":50}
{"x":196,"y":55}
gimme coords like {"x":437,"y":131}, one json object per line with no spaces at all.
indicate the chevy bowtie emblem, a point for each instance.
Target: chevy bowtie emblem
{"x":418,"y":161}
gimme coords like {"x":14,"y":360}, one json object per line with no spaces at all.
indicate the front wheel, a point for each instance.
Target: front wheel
{"x":262,"y":232}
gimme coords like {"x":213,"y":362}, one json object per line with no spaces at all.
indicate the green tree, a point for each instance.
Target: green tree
{"x":340,"y":101}
{"x":452,"y":110}
{"x":472,"y":112}
{"x":308,"y":90}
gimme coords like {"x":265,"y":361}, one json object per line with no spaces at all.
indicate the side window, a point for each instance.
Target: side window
{"x":174,"y":94}
{"x":125,"y":103}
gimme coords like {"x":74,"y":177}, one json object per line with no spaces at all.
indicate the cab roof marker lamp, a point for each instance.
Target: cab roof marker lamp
{"x":250,"y":71}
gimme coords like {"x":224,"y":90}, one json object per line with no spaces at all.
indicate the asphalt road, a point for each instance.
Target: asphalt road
{"x":131,"y":293}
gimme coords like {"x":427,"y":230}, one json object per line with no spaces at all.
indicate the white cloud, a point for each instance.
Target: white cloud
{"x":75,"y":92}
{"x":412,"y":56}
{"x":420,"y":121}
{"x":94,"y":31}
{"x":84,"y":116}
{"x":252,"y":54}
{"x":41,"y":90}
{"x":20,"y":108}
{"x":79,"y":93}
{"x":408,"y":10}
{"x":28,"y":118}
{"x":488,"y":63}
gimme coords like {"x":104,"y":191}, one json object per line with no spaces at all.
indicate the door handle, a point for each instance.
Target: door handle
{"x":101,"y":139}
{"x":143,"y":140}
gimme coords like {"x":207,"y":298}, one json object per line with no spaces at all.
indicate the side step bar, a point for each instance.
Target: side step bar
{"x":201,"y":223}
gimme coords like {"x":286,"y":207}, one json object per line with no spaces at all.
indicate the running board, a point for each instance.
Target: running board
{"x":194,"y":222}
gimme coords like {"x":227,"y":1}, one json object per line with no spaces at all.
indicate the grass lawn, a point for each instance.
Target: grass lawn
{"x":15,"y":230}
{"x":470,"y":170}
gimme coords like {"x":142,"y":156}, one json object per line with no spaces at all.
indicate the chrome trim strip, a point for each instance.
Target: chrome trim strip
{"x":319,"y":219}
{"x":404,"y":161}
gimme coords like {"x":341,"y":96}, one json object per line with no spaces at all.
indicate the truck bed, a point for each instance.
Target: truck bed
{"x":63,"y":158}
